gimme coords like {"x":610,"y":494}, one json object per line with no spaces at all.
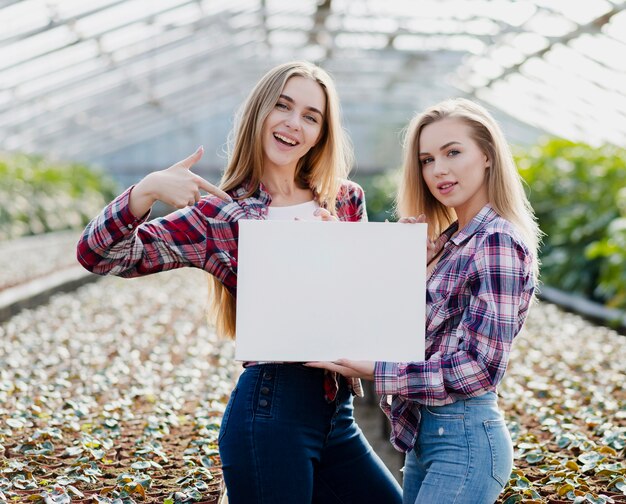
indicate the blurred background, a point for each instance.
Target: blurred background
{"x":134,"y":85}
{"x":94,"y":94}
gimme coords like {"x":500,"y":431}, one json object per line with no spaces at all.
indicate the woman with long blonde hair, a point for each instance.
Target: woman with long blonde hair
{"x":459,"y":177}
{"x":288,"y":434}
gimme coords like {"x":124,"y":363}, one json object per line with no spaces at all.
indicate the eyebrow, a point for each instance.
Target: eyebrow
{"x":443,"y":147}
{"x":291,"y":100}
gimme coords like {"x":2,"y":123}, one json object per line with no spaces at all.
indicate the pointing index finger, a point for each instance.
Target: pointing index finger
{"x":214,"y":190}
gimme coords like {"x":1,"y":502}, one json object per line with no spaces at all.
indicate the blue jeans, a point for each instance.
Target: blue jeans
{"x":463,"y":454}
{"x":282,"y":442}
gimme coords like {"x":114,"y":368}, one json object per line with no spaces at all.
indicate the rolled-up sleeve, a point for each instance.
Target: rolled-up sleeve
{"x":202,"y":236}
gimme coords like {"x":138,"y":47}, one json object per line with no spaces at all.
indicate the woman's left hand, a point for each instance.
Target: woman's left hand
{"x":348,"y":368}
{"x":325,"y":215}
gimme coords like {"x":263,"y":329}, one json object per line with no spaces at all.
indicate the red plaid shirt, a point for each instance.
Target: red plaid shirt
{"x":202,"y":236}
{"x":477,"y":299}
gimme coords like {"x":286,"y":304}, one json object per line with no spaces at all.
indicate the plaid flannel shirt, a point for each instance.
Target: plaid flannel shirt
{"x":477,"y":299}
{"x":202,"y":236}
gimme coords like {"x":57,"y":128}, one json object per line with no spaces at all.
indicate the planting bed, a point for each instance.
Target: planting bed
{"x":114,"y":393}
{"x":564,"y":399}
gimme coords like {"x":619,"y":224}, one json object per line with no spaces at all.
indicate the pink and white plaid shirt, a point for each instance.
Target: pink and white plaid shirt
{"x":477,"y":299}
{"x":202,"y":236}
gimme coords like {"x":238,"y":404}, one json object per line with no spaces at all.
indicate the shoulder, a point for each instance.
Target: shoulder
{"x":503,"y":229}
{"x":499,"y":239}
{"x":350,"y":191}
{"x":350,"y":204}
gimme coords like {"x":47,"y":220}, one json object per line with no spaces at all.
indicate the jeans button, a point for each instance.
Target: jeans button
{"x":267,"y":376}
{"x":263,"y":403}
{"x":265,"y":390}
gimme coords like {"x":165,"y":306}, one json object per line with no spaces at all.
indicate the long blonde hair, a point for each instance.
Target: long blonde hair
{"x":504,"y":183}
{"x":320,"y":170}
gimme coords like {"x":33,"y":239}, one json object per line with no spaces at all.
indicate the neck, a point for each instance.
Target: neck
{"x":278,"y":185}
{"x":466,"y":212}
{"x":282,"y":187}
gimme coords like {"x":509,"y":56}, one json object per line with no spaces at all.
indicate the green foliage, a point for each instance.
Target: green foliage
{"x":37,"y":196}
{"x":579,"y":195}
{"x":380,"y":192}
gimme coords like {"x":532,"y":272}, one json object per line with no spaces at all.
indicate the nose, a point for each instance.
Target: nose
{"x":441,"y":167}
{"x":293,"y":121}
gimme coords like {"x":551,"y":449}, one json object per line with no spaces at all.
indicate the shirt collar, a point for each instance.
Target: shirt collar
{"x":260,"y":194}
{"x":480,"y":220}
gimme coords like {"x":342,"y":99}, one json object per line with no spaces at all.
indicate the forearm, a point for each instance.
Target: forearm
{"x":100,"y":245}
{"x":442,"y":379}
{"x":142,"y":197}
{"x":118,"y":243}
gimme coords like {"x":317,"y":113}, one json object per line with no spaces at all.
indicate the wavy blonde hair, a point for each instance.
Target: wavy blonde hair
{"x":504,"y":184}
{"x":321,"y":169}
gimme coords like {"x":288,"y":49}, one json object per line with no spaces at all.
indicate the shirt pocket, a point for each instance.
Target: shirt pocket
{"x":436,"y":307}
{"x":445,"y":307}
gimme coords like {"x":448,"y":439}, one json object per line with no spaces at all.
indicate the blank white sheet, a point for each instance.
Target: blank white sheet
{"x":319,"y":291}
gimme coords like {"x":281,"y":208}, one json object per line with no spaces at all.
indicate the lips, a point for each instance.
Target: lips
{"x":446,"y":187}
{"x":286,"y":139}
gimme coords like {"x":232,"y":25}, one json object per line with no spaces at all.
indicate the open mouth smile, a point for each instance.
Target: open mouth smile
{"x":285,"y":140}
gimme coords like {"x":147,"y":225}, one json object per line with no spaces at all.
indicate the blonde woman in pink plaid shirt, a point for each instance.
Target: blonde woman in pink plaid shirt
{"x":459,"y":176}
{"x":288,"y":434}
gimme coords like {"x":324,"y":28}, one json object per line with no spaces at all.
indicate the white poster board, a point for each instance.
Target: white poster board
{"x":311,"y":290}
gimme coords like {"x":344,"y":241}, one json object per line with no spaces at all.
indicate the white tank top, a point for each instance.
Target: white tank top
{"x":303,"y":211}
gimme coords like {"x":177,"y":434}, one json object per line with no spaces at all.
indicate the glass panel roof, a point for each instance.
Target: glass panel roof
{"x":108,"y":81}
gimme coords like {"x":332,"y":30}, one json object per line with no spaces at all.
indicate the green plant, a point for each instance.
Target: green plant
{"x":380,"y":193}
{"x":38,"y":196}
{"x":578,"y":194}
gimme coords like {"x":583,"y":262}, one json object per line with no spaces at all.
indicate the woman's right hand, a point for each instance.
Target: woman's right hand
{"x":430,"y":245}
{"x":176,"y":186}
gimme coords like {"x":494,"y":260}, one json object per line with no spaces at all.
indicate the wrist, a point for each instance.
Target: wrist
{"x":145,"y":190}
{"x":142,"y":197}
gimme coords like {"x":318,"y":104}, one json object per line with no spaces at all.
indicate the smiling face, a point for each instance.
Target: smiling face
{"x":294,"y":126}
{"x":453,"y":167}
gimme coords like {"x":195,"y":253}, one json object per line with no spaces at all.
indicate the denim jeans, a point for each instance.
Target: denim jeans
{"x":281,"y":442}
{"x":463,"y":454}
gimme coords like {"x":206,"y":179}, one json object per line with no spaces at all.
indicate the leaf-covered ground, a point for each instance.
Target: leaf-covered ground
{"x":114,"y":394}
{"x":564,"y":396}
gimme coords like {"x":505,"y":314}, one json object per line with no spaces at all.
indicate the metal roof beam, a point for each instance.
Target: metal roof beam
{"x":594,"y":26}
{"x":207,"y":20}
{"x":171,"y":68}
{"x":55,"y":24}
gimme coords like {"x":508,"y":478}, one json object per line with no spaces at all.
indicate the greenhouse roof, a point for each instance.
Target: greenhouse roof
{"x":132,"y":84}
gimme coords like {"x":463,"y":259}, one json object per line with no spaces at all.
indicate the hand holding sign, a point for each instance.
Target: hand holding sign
{"x":348,"y":368}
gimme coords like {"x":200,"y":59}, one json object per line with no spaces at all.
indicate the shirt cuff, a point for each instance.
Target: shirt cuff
{"x":386,"y":377}
{"x":127,"y":220}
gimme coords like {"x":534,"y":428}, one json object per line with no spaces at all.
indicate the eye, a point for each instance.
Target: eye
{"x":426,"y":160}
{"x":282,"y":106}
{"x":311,"y":118}
{"x":453,"y":152}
